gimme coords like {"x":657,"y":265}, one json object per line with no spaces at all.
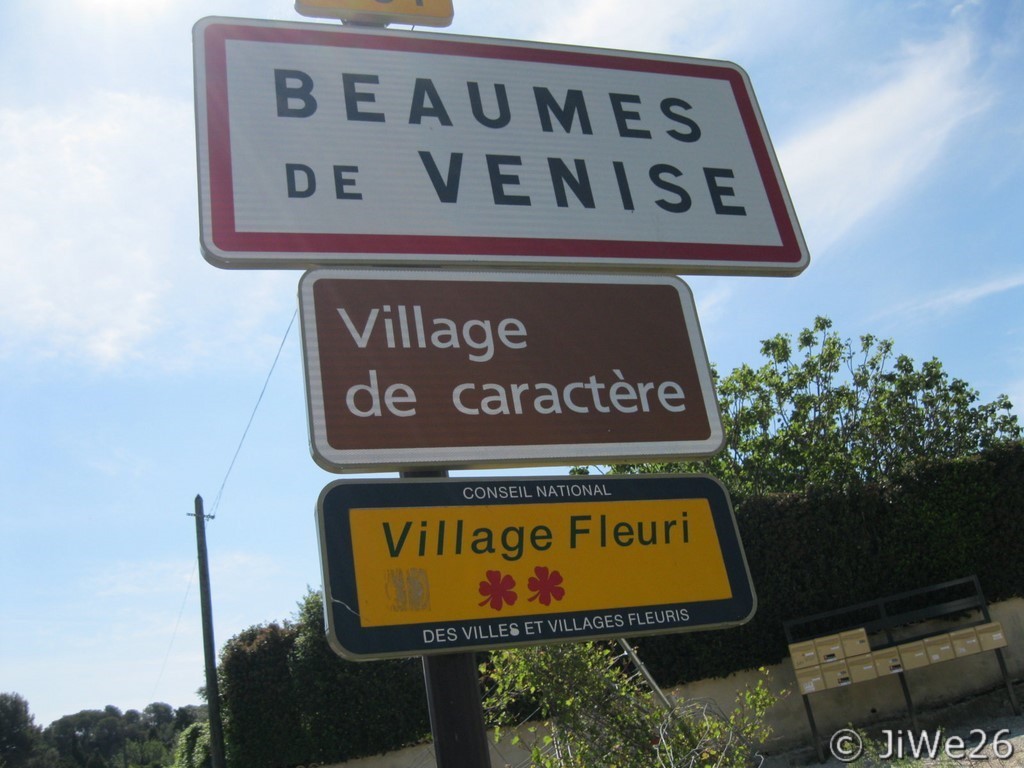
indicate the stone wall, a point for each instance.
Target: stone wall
{"x":860,"y":704}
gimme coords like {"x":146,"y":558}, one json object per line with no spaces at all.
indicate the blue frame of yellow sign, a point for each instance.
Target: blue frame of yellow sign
{"x":427,"y":13}
{"x":424,"y":566}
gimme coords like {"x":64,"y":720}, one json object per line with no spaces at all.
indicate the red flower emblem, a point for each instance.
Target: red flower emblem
{"x":546,"y":585}
{"x":498,"y":590}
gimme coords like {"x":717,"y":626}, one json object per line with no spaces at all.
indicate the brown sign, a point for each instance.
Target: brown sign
{"x":410,"y":369}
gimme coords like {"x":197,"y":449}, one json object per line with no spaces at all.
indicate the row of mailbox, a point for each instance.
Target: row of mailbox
{"x":838,"y":660}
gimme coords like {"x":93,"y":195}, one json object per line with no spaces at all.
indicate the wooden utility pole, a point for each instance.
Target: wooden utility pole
{"x":209,"y":649}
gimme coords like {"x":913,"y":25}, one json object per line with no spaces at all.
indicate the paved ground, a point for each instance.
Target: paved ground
{"x":988,"y":716}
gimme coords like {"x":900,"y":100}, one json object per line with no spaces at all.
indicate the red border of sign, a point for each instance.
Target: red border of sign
{"x":789,"y":258}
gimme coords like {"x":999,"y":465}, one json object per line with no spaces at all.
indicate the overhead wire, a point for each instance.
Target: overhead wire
{"x":174,"y":632}
{"x":220,"y":492}
{"x":252,"y":416}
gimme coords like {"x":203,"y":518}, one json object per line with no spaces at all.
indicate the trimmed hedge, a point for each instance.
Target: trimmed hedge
{"x":262,"y":727}
{"x":821,"y":550}
{"x":288,"y":699}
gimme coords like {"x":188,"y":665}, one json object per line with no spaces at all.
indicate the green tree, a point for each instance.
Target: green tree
{"x":187,"y":715}
{"x":588,"y":711}
{"x":108,"y":737}
{"x":19,"y":734}
{"x":79,"y":738}
{"x":193,"y":750}
{"x":827,"y":413}
{"x":158,"y":717}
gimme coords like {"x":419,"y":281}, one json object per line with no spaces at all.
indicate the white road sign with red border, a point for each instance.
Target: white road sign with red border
{"x":324,"y":145}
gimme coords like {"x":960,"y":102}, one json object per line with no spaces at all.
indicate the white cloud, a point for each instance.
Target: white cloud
{"x":101,"y":256}
{"x":964,"y":7}
{"x":958,"y":298}
{"x":722,"y":29}
{"x":714,"y":297}
{"x":88,"y":192}
{"x":146,"y":578}
{"x":1015,"y":391}
{"x":123,"y":7}
{"x":603,"y":22}
{"x":866,"y":155}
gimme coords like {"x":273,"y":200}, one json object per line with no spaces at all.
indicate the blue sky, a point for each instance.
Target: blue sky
{"x":130,"y":366}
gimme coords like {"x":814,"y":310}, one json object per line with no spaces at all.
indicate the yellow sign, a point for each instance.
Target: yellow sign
{"x":429,"y":13}
{"x":447,"y":564}
{"x":431,"y":565}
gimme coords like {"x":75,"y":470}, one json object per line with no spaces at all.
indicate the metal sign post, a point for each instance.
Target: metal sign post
{"x":456,"y":712}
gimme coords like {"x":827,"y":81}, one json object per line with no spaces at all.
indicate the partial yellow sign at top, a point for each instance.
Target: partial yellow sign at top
{"x":429,"y":13}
